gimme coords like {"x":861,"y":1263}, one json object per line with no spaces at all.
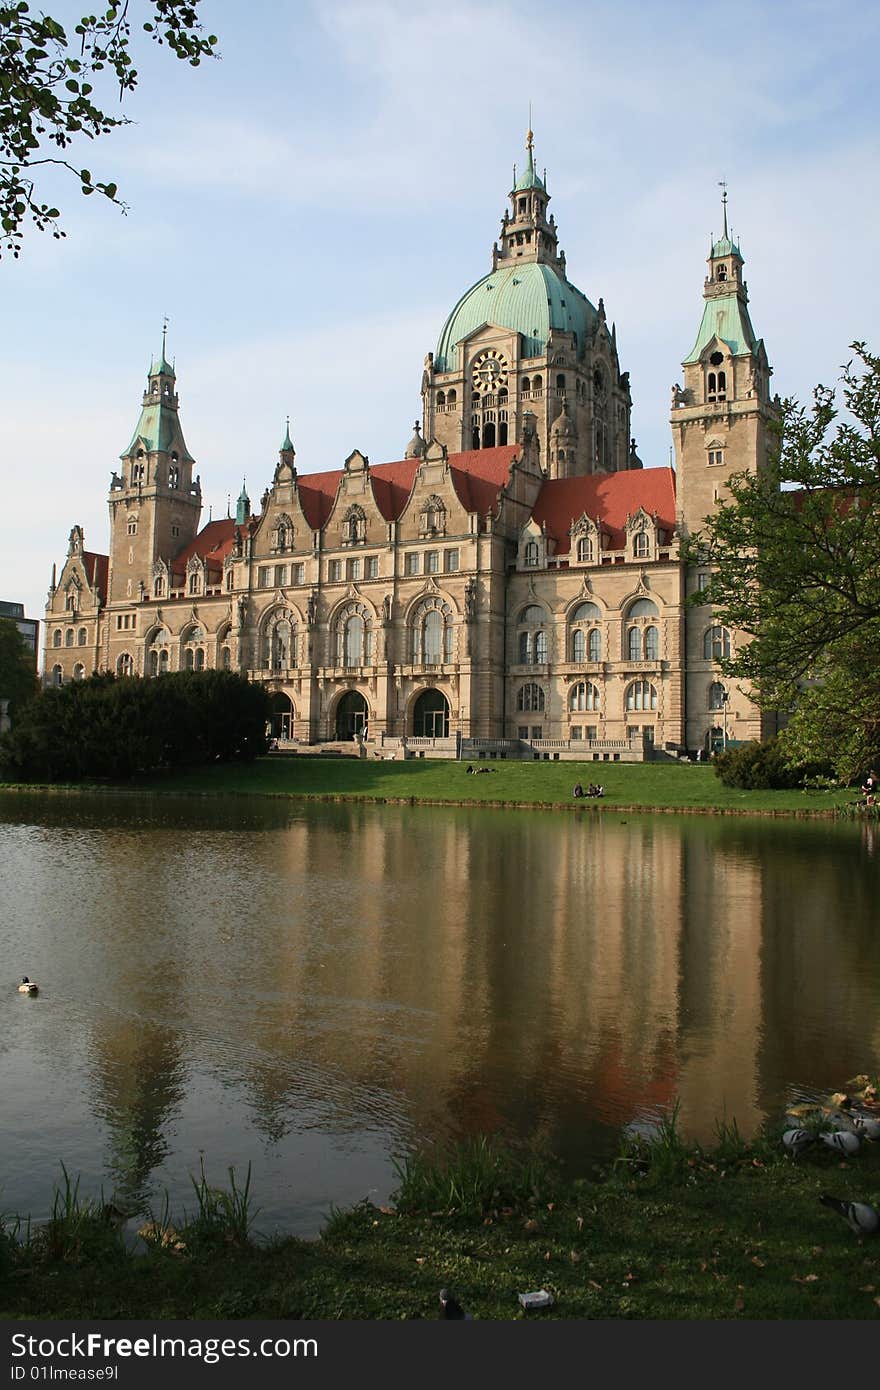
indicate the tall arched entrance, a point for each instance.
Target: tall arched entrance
{"x":431,"y":715}
{"x":351,"y":715}
{"x":281,"y":715}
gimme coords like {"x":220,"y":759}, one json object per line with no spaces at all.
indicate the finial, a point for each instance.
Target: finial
{"x":722,"y":183}
{"x":164,"y":334}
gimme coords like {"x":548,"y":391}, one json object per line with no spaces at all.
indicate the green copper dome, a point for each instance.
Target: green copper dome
{"x":529,"y":298}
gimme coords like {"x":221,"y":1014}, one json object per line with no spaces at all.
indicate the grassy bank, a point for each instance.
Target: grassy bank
{"x":633,"y":786}
{"x":665,"y":1232}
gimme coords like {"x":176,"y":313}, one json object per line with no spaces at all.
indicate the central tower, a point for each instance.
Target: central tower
{"x":525,"y":341}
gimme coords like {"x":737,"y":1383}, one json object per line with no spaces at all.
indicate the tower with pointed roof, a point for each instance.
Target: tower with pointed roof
{"x":525,"y":340}
{"x":722,"y":423}
{"x":154,"y":502}
{"x":722,"y":414}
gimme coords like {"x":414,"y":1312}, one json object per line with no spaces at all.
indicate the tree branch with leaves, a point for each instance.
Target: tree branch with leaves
{"x":49,"y":99}
{"x":796,"y":567}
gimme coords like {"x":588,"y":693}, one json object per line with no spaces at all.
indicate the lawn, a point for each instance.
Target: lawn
{"x":653,"y":786}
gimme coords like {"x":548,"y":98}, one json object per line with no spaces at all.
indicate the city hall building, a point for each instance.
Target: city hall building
{"x":513,"y":583}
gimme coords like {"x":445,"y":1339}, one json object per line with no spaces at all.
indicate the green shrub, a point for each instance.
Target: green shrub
{"x":764,"y":766}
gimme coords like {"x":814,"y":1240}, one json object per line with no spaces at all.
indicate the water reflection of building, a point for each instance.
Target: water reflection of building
{"x":361,"y":965}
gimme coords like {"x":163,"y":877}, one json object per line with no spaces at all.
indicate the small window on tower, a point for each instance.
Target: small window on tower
{"x":722,"y":272}
{"x":716,"y":457}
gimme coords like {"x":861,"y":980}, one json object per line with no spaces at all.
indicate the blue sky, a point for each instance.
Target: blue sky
{"x":308,"y":209}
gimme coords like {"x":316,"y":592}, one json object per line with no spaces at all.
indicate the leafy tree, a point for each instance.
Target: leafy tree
{"x":115,"y":728}
{"x":18,"y":675}
{"x":797,"y":552}
{"x":48,"y":97}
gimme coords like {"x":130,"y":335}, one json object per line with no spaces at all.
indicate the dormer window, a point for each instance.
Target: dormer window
{"x":530,"y":555}
{"x":522,"y":206}
{"x":585,"y":549}
{"x":194,"y":584}
{"x":641,"y":545}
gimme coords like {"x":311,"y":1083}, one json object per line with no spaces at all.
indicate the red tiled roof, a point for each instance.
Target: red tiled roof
{"x":213,"y":543}
{"x":97,"y":568}
{"x":608,"y":498}
{"x":478,"y":474}
{"x":392,"y":485}
{"x":317,"y":493}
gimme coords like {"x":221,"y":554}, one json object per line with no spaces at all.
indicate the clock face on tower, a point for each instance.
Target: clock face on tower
{"x":489,"y":371}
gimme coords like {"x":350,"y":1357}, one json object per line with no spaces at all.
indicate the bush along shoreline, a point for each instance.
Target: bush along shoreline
{"x":666,"y":1230}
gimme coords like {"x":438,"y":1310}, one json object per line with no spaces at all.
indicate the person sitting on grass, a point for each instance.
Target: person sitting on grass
{"x":578,"y":789}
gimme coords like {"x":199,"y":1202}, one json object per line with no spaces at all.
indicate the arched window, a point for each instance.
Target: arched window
{"x":652,"y":644}
{"x":525,"y":648}
{"x":722,"y":385}
{"x":281,"y":645}
{"x":578,"y":644}
{"x":560,"y":384}
{"x":711,"y":386}
{"x":643,"y":608}
{"x":57,"y":675}
{"x":641,"y":695}
{"x":634,"y":644}
{"x":225,"y":659}
{"x":195,"y":583}
{"x":531,"y":553}
{"x":158,"y":586}
{"x":432,"y":632}
{"x":585,"y":549}
{"x":452,"y":398}
{"x":124,"y":665}
{"x":157,"y":658}
{"x":432,"y":638}
{"x":716,"y":644}
{"x":537,"y":385}
{"x":441,"y":400}
{"x":354,"y":640}
{"x":526,"y":386}
{"x":68,"y":637}
{"x":722,"y":272}
{"x":641,"y":545}
{"x":81,"y":637}
{"x":56,"y":637}
{"x":594,"y":645}
{"x":530,"y":697}
{"x":716,"y":695}
{"x":200,"y":658}
{"x":540,"y":648}
{"x":132,"y":526}
{"x":584,"y":696}
{"x":79,"y":672}
{"x":173,"y":472}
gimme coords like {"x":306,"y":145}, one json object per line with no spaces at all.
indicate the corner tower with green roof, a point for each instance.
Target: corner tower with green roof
{"x":721,"y":414}
{"x":722,"y":423}
{"x":154,"y":502}
{"x":524,"y":341}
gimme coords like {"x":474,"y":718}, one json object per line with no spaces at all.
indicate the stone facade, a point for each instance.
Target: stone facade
{"x":516,"y":576}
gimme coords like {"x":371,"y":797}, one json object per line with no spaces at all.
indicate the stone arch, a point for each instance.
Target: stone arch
{"x":282,"y":715}
{"x":430,"y":714}
{"x":350,"y":715}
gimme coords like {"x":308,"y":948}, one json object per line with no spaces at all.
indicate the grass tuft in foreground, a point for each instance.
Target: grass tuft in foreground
{"x":669,"y":1230}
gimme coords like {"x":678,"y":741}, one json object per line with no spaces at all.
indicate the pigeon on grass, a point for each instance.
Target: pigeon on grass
{"x":451,"y":1308}
{"x":843,"y":1140}
{"x":796,"y":1141}
{"x":861,"y":1217}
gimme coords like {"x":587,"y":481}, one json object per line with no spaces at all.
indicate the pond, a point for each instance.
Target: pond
{"x":314,"y":989}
